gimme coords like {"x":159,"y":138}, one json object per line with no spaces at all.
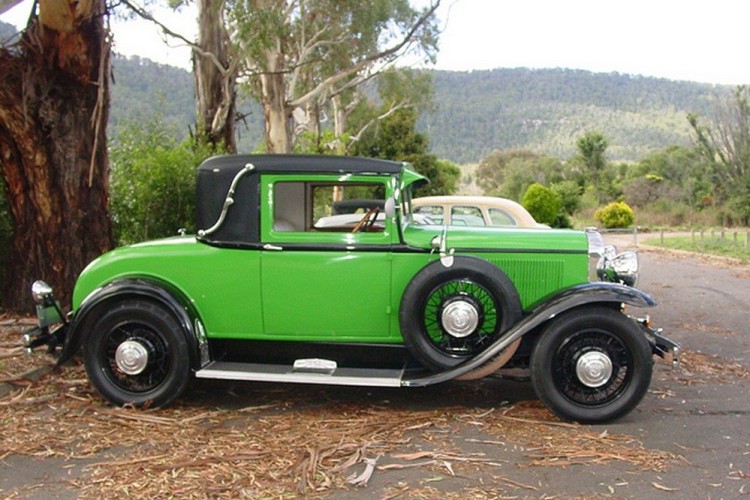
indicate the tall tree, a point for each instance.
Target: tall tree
{"x":301,"y":54}
{"x":54,"y":105}
{"x":592,"y":150}
{"x":396,"y":138}
{"x":726,"y":142}
{"x":215,"y":70}
{"x":492,"y":170}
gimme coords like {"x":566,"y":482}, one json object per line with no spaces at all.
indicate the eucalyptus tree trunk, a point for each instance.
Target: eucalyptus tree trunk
{"x":54,"y":105}
{"x":215,"y":77}
{"x":276,"y":109}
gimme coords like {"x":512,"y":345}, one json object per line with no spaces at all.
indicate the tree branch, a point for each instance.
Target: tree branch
{"x":167,"y":31}
{"x":387,"y":53}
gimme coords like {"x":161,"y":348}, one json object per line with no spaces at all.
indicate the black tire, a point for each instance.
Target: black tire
{"x":147,"y":328}
{"x":619,"y":365}
{"x":470,"y":280}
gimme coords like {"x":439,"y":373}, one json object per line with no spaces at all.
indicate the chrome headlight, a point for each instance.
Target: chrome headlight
{"x":41,"y":291}
{"x":618,"y":268}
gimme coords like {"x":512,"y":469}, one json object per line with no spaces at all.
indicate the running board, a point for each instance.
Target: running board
{"x":302,"y":373}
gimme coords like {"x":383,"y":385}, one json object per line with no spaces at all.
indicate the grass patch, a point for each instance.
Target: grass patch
{"x":730,"y":244}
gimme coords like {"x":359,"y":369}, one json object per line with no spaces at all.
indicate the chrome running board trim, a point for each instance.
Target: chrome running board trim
{"x":369,"y":377}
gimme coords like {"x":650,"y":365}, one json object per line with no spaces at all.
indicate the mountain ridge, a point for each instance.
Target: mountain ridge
{"x":478,"y":111}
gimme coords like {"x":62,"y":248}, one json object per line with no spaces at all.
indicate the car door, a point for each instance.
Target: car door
{"x":323,"y":277}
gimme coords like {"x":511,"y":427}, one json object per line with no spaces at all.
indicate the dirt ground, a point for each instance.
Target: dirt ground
{"x":689,"y":438}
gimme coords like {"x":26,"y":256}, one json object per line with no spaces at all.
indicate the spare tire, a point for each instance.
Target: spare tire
{"x":451,"y":314}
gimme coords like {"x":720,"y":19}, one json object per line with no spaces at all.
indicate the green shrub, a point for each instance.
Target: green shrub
{"x":152,"y":182}
{"x":615,"y":214}
{"x":542,"y":203}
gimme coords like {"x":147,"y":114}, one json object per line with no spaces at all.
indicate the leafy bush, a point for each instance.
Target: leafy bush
{"x":570,"y":194}
{"x":152,"y":193}
{"x":542,"y":203}
{"x":615,"y":214}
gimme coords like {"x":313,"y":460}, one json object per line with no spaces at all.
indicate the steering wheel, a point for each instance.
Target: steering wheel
{"x":370,"y":216}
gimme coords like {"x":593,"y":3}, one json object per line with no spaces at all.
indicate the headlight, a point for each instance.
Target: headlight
{"x":41,"y":291}
{"x":618,"y":268}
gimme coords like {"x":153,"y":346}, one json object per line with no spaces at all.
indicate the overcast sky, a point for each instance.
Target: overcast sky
{"x":697,"y":40}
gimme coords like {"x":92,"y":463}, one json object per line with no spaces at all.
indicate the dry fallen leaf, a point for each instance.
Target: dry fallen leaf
{"x":664,"y":488}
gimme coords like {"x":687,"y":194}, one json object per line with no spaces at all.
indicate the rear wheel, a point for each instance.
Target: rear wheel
{"x":591,"y":365}
{"x":136,"y":353}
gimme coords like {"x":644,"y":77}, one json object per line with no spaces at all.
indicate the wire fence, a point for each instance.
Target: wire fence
{"x":736,"y":237}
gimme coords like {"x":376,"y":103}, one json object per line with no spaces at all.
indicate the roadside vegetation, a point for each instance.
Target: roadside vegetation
{"x":733,"y":244}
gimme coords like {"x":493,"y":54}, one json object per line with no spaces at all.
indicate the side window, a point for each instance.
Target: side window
{"x":328,"y":207}
{"x":466,"y":216}
{"x":501,"y":218}
{"x":348,"y":208}
{"x":434,"y":212}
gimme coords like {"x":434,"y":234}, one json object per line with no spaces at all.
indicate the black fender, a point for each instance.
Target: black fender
{"x":145,"y":288}
{"x":585,"y":294}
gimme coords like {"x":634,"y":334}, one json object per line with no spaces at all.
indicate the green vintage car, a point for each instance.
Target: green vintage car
{"x":279,"y":285}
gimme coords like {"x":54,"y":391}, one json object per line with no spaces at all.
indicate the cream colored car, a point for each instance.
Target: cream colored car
{"x":474,"y":211}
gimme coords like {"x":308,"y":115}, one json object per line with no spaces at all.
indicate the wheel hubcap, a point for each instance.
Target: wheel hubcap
{"x":460,"y":318}
{"x":131,"y":357}
{"x":594,"y":369}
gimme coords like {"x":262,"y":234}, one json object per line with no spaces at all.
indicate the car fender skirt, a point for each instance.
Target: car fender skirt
{"x":545,"y":310}
{"x":132,"y":288}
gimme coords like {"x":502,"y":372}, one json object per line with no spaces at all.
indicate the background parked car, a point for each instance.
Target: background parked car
{"x":474,"y":211}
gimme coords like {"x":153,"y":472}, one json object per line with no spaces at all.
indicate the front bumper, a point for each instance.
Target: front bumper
{"x":663,"y":347}
{"x":51,"y":331}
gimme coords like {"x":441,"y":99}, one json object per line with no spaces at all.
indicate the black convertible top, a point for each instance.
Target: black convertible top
{"x":241,"y":224}
{"x":301,"y":164}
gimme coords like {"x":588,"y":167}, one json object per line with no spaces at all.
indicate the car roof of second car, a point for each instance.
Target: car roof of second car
{"x":522,"y":216}
{"x":290,"y":163}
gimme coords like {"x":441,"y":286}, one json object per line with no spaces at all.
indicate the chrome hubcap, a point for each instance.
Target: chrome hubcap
{"x":460,"y":318}
{"x":131,"y":357}
{"x":594,"y":369}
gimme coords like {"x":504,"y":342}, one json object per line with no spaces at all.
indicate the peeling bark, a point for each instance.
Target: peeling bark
{"x":215,"y":77}
{"x":54,"y":102}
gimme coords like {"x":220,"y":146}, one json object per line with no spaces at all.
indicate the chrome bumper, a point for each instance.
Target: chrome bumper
{"x":51,"y":331}
{"x":666,"y":349}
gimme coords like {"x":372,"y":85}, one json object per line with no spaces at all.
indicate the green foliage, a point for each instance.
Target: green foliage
{"x":143,"y":86}
{"x":541,"y":110}
{"x":152,"y":182}
{"x":492,"y":171}
{"x":676,"y":173}
{"x":570,"y":195}
{"x":395,"y":138}
{"x":725,"y":144}
{"x":476,"y":112}
{"x":542,"y":203}
{"x":615,"y":214}
{"x":722,"y":244}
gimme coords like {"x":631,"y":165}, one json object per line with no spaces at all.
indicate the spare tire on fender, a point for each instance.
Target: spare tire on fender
{"x":450,"y":314}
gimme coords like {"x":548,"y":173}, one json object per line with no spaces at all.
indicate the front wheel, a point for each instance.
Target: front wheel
{"x":591,"y":365}
{"x":136,"y":353}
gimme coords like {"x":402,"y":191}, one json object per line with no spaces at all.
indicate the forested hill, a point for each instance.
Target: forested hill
{"x":547,"y":110}
{"x":476,"y":112}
